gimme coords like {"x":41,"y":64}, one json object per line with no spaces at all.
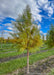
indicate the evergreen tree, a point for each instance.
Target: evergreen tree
{"x":47,"y":37}
{"x":50,"y":36}
{"x":43,"y":37}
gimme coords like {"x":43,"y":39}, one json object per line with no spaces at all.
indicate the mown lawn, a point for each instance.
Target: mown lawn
{"x":12,"y":65}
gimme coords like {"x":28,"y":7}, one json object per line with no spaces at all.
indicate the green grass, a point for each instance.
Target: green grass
{"x":6,"y":45}
{"x":7,"y":48}
{"x":44,"y":48}
{"x":52,"y":72}
{"x":4,"y":55}
{"x":9,"y":54}
{"x":21,"y":62}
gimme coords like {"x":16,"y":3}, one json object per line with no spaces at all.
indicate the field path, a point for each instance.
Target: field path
{"x":41,"y":67}
{"x":20,"y":56}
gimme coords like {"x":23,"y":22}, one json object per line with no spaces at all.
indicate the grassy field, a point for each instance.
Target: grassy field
{"x":4,"y":55}
{"x":7,"y":51}
{"x":6,"y":45}
{"x":12,"y":65}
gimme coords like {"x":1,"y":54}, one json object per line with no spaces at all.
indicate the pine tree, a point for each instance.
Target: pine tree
{"x":43,"y":37}
{"x":50,"y":36}
{"x":28,"y":36}
{"x":47,"y":37}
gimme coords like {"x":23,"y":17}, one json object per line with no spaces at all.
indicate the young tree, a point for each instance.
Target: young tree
{"x":43,"y":37}
{"x":2,"y":39}
{"x":28,"y":37}
{"x":50,"y":36}
{"x":47,"y":37}
{"x":8,"y":40}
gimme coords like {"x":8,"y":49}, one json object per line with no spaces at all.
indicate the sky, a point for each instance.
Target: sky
{"x":42,"y":12}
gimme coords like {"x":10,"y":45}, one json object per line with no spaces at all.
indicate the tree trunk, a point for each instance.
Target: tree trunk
{"x":27,"y":61}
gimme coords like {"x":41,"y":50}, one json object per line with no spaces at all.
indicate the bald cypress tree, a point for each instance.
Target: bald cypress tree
{"x":28,"y":34}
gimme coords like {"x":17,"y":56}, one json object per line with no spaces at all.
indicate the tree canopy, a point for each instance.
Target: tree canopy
{"x":27,"y":33}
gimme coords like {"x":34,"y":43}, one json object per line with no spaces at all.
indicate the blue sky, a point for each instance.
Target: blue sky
{"x":42,"y":11}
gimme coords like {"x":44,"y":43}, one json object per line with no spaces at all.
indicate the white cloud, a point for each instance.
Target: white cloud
{"x":10,"y":28}
{"x":45,"y":4}
{"x":53,"y":18}
{"x":42,"y":2}
{"x":52,"y":5}
{"x":44,"y":37}
{"x":39,"y":26}
{"x":11,"y":8}
{"x":45,"y":34}
{"x":35,"y":10}
{"x":8,"y":31}
{"x":50,"y":10}
{"x":41,"y":32}
{"x":6,"y":34}
{"x":38,"y":17}
{"x":7,"y":24}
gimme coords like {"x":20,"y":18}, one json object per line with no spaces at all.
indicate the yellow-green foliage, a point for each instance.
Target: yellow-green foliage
{"x":27,"y":33}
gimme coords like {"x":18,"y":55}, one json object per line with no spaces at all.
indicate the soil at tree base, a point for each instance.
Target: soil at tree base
{"x":41,"y":67}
